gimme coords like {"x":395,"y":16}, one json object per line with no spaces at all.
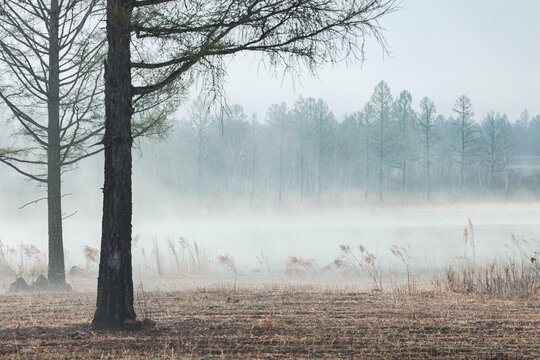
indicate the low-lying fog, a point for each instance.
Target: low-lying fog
{"x":310,"y":230}
{"x":435,"y":234}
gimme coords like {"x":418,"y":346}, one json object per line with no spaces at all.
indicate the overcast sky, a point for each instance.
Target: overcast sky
{"x":486,"y":49}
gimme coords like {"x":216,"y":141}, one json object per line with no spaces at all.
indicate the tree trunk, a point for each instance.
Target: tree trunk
{"x":319,"y":159}
{"x":381,"y":155}
{"x":56,"y":273}
{"x":403,"y":175}
{"x":281,"y":160}
{"x":366,"y":193}
{"x":253,"y":159}
{"x":115,"y":284}
{"x":199,"y":163}
{"x":428,"y":165}
{"x":506,"y":185}
{"x":301,"y":159}
{"x":462,"y":179}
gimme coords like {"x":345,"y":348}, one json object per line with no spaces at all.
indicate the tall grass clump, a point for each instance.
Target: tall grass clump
{"x":228,"y":262}
{"x":36,"y":260}
{"x":404,"y":255}
{"x":360,"y":262}
{"x":262,"y":264}
{"x":182,"y":257}
{"x":195,"y":258}
{"x":514,"y":275}
{"x":298,"y":266}
{"x":91,"y":256}
{"x":7,"y":265}
{"x":158,"y":259}
{"x":469,"y":240}
{"x":24,"y":259}
{"x":179,"y":265}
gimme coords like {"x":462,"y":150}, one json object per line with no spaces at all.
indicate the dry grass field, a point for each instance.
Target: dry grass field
{"x":275,"y":323}
{"x":212,"y":309}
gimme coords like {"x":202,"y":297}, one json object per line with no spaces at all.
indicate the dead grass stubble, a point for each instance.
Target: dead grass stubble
{"x":273,"y":323}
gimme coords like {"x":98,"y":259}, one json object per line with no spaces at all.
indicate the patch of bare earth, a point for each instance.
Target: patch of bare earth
{"x":275,"y":324}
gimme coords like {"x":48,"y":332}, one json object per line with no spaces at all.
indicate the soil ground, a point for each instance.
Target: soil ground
{"x":275,"y":323}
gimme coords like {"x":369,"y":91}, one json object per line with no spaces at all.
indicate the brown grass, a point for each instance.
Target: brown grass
{"x":404,"y":255}
{"x":502,"y":278}
{"x":360,"y":262}
{"x":7,"y":266}
{"x":298,"y":266}
{"x":91,"y":256}
{"x":276,"y":324}
{"x":516,"y":275}
{"x":228,"y":263}
{"x":25,"y":259}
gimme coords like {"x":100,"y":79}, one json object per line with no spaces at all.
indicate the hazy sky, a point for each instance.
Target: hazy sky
{"x":486,"y":49}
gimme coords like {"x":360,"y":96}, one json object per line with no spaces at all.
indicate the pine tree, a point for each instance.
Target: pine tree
{"x":405,"y":117}
{"x":467,"y":136}
{"x":381,"y":102}
{"x":428,"y":135}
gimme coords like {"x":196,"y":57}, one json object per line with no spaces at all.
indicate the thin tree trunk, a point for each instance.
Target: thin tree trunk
{"x":404,"y":148}
{"x":337,"y":178}
{"x":381,"y":154}
{"x":301,"y":159}
{"x":403,"y":175}
{"x":320,"y":156}
{"x":462,"y":180}
{"x":428,"y":165}
{"x":115,"y":284}
{"x":199,"y":164}
{"x":506,"y":185}
{"x":366,"y":194}
{"x":253,"y":153}
{"x":56,"y":269}
{"x":281,"y":161}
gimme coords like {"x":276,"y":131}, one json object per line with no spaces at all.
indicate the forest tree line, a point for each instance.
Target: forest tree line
{"x":302,"y":150}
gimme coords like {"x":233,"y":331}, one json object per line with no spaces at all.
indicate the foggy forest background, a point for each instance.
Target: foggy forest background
{"x":396,"y":146}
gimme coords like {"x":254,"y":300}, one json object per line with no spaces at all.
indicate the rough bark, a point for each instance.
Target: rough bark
{"x":56,"y":269}
{"x":115,"y":284}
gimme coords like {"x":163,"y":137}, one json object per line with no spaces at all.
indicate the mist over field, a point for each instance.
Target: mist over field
{"x":247,"y":229}
{"x":269,"y":179}
{"x":435,"y":233}
{"x":402,"y":145}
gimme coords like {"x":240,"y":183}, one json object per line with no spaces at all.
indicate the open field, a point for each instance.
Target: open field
{"x":275,"y":323}
{"x":289,"y":304}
